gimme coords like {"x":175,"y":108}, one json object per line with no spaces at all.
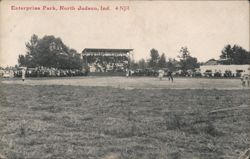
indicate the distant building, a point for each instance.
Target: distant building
{"x":107,"y":61}
{"x":211,"y":62}
{"x":225,"y":70}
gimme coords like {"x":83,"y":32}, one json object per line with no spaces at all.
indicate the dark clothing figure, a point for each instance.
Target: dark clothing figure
{"x":170,"y":77}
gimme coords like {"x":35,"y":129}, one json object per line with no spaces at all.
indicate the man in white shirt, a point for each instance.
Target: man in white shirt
{"x":23,"y":74}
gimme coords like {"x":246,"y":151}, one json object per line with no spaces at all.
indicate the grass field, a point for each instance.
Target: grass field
{"x":76,"y":118}
{"x":136,"y":82}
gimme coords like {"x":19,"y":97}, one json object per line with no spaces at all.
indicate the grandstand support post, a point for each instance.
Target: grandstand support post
{"x":86,"y":62}
{"x":249,"y":70}
{"x":130,"y":58}
{"x":132,"y":54}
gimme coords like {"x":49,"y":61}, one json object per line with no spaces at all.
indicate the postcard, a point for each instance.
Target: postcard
{"x":124,"y":79}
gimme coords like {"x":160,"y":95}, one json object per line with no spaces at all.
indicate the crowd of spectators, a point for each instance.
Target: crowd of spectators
{"x":106,"y":67}
{"x":145,"y":72}
{"x":188,"y":73}
{"x":41,"y":72}
{"x":107,"y":64}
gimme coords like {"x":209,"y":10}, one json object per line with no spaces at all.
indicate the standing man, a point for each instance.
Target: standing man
{"x":161,"y":74}
{"x":23,"y":74}
{"x":127,"y":72}
{"x":245,"y":79}
{"x":170,"y":77}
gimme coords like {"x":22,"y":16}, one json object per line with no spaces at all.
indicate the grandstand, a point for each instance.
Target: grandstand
{"x":107,"y":61}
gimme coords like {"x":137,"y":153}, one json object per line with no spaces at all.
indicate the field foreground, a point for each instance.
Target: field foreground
{"x":60,"y":121}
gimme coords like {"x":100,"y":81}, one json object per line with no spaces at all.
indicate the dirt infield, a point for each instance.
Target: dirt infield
{"x":137,"y":82}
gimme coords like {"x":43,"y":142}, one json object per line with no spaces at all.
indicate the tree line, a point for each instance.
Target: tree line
{"x":234,"y":55}
{"x":50,"y":51}
{"x":156,"y":61}
{"x":230,"y":55}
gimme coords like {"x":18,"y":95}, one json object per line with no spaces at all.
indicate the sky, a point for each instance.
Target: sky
{"x":205,"y":27}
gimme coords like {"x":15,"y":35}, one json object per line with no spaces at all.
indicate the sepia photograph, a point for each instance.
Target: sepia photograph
{"x":124,"y":79}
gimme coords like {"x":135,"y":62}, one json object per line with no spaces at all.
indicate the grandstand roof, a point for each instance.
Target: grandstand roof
{"x":106,"y":50}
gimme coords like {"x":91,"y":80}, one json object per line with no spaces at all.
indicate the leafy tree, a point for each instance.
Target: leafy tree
{"x":172,"y":64}
{"x":234,"y":55}
{"x":186,"y":60}
{"x":154,"y":58}
{"x":31,"y":46}
{"x":162,"y":61}
{"x":134,"y":65}
{"x":191,"y":63}
{"x":184,"y":53}
{"x":28,"y":58}
{"x":22,"y":60}
{"x":142,"y":64}
{"x":49,"y":52}
{"x":226,"y":55}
